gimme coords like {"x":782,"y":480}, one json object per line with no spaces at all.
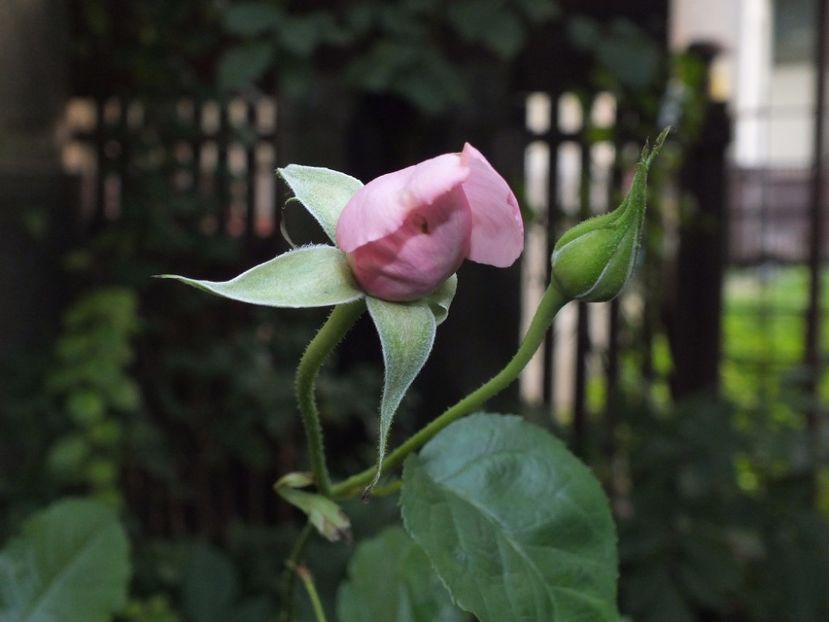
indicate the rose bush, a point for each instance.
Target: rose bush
{"x":500,"y":519}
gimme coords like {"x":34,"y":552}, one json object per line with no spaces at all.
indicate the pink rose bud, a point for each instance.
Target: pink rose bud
{"x":406,"y":232}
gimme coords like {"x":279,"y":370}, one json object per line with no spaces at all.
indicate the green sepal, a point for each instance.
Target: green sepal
{"x":593,"y":261}
{"x":322,"y":191}
{"x":325,"y":515}
{"x":407,"y":333}
{"x":310,"y":276}
{"x":440,"y":300}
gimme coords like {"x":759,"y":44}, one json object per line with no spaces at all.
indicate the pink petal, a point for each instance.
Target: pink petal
{"x":497,"y":229}
{"x":421,"y":254}
{"x":382,"y":206}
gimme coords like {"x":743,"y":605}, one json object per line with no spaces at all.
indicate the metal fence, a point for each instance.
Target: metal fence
{"x":225,"y":150}
{"x":568,"y":178}
{"x":769,"y":214}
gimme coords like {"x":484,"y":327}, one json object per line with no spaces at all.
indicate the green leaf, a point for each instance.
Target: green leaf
{"x":248,"y":19}
{"x":407,"y":333}
{"x":70,"y":564}
{"x":323,"y":192}
{"x":622,"y":49}
{"x":311,"y":276}
{"x":489,"y":23}
{"x":245,"y":64}
{"x":515,"y":525}
{"x":441,"y":299}
{"x":584,"y":32}
{"x":210,"y":590}
{"x":419,"y":74}
{"x":328,"y":518}
{"x":303,"y":34}
{"x":630,"y":54}
{"x":390,"y":579}
{"x":539,"y":11}
{"x":68,"y":455}
{"x":211,"y":585}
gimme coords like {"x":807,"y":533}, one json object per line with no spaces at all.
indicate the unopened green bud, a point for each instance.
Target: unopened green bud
{"x":593,"y":260}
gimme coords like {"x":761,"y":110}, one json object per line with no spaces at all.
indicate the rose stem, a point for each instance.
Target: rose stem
{"x":286,"y":595}
{"x":551,"y":303}
{"x":342,"y":318}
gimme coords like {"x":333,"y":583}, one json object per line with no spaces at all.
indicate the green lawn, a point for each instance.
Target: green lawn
{"x":763,"y":333}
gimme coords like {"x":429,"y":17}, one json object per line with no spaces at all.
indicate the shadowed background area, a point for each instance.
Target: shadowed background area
{"x":142,"y":138}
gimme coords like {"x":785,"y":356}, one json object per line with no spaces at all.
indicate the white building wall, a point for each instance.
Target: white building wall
{"x":771,"y":104}
{"x":791,"y":124}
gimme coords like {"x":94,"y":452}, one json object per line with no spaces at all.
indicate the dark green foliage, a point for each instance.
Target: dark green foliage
{"x":90,"y":383}
{"x":677,"y":554}
{"x":210,"y":590}
{"x":415,"y":49}
{"x":707,"y":531}
{"x":408,"y":48}
{"x":147,"y":47}
{"x":178,"y":409}
{"x":626,"y":57}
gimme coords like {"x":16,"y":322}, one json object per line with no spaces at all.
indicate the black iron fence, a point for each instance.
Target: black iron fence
{"x":769,"y":215}
{"x":225,"y":150}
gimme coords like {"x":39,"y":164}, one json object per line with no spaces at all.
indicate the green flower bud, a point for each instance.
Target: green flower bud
{"x":593,"y":260}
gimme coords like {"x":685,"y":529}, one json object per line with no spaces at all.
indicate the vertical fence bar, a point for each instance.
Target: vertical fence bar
{"x":251,"y":170}
{"x":196,"y":141}
{"x":611,"y":409}
{"x":553,"y":222}
{"x":695,"y":329}
{"x":269,"y":123}
{"x":583,"y":313}
{"x":816,"y":236}
{"x":222,"y":174}
{"x":123,"y":153}
{"x":99,"y":143}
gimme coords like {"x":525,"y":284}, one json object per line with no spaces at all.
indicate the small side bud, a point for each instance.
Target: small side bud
{"x":329,"y":519}
{"x":593,"y":260}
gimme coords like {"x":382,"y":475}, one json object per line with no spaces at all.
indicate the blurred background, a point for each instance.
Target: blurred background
{"x":139,"y":138}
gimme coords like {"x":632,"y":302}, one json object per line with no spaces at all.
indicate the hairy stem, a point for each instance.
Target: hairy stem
{"x":342,"y":318}
{"x":387,"y":489}
{"x":286,"y":596}
{"x":308,"y":581}
{"x":550,"y":305}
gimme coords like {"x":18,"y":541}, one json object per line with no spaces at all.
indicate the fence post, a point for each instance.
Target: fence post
{"x":34,"y":215}
{"x":812,"y":346}
{"x":694,"y":317}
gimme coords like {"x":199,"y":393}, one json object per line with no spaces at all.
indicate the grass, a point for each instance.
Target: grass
{"x":764,"y":335}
